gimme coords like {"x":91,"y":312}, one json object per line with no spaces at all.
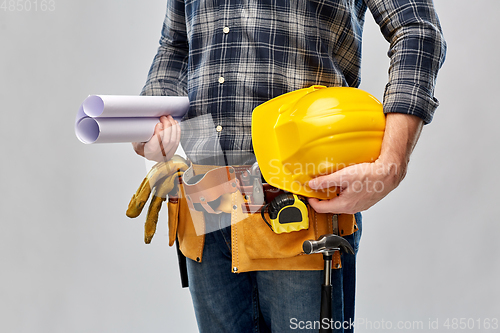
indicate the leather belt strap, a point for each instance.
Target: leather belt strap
{"x":209,"y":186}
{"x":204,"y":184}
{"x":200,"y":169}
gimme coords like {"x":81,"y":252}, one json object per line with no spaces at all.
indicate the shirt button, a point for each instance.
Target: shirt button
{"x":218,"y":128}
{"x":221,"y":79}
{"x":225,"y":30}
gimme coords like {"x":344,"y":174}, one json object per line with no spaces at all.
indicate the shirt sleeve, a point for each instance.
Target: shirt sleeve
{"x":168,"y":73}
{"x":417,"y":51}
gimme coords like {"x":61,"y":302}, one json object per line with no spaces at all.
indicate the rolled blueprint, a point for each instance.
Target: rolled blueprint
{"x":114,"y":118}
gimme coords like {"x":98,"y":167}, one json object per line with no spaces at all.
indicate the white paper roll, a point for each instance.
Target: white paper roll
{"x":113,"y":118}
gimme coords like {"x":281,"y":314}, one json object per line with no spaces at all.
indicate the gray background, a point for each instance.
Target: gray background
{"x":73,"y":262}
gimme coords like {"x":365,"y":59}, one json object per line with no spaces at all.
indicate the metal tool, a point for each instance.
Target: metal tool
{"x":257,"y":190}
{"x":327,"y":245}
{"x":245,"y":178}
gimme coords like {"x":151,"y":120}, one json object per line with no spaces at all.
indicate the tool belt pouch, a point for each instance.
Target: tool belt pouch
{"x":256,"y":247}
{"x":186,"y":207}
{"x":186,"y":225}
{"x":263,"y":243}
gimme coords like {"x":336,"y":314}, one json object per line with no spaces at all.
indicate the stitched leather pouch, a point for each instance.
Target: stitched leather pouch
{"x":187,"y":225}
{"x":263,"y":243}
{"x":254,"y":246}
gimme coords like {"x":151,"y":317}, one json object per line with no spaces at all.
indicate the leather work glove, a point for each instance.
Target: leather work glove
{"x":160,"y":180}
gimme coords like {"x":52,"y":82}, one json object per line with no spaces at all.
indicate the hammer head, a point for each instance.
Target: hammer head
{"x":327,"y":243}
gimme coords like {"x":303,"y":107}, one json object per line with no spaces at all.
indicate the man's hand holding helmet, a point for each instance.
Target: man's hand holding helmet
{"x":360,"y":186}
{"x":333,"y":145}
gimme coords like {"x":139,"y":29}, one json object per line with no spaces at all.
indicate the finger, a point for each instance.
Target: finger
{"x":152,"y":150}
{"x":160,"y":144}
{"x":170,"y":136}
{"x":335,"y":205}
{"x":158,"y":148}
{"x":172,"y":144}
{"x":178,"y":137}
{"x":164,"y":120}
{"x":166,"y":139}
{"x":170,"y":127}
{"x":158,"y":128}
{"x":337,"y":179}
{"x":167,"y":128}
{"x":320,"y":206}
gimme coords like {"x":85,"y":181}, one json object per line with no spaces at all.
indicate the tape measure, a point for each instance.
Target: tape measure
{"x":287,"y":213}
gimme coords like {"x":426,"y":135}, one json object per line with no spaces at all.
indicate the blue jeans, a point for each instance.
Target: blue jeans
{"x":265,"y":301}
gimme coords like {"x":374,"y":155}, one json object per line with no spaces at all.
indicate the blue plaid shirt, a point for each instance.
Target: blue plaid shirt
{"x":229,"y":56}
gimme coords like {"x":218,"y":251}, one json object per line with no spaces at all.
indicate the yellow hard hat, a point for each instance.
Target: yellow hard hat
{"x":315,"y":131}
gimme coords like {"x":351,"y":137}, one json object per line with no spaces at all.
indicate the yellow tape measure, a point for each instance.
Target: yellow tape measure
{"x":287,"y":213}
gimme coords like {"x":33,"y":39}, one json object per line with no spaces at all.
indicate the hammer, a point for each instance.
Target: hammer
{"x":327,"y":244}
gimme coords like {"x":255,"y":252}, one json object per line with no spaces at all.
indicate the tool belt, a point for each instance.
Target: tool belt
{"x":209,"y":188}
{"x":214,"y":189}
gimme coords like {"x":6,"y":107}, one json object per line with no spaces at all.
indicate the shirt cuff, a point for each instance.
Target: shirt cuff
{"x":411,"y":99}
